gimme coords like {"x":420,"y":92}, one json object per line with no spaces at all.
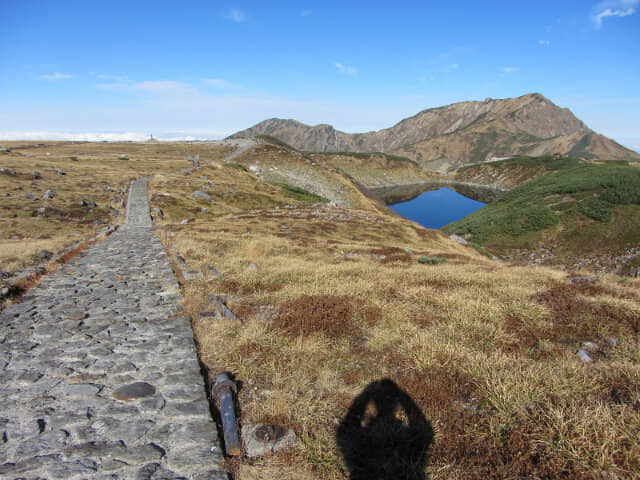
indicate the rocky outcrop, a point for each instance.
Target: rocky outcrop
{"x":448,"y":137}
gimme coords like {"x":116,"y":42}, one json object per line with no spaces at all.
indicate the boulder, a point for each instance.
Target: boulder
{"x":584,"y":356}
{"x":262,"y":440}
{"x":199,"y":195}
{"x":458,"y":239}
{"x":49,"y":194}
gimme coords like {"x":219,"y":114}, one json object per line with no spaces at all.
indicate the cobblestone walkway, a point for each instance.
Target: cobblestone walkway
{"x":98,"y":376}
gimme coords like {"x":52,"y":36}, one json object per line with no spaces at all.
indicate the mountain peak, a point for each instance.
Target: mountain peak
{"x":447,"y":137}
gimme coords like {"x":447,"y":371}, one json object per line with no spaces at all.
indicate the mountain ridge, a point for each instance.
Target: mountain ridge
{"x":450,"y":136}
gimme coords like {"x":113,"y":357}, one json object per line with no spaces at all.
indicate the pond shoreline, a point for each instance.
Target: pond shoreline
{"x":402,"y":193}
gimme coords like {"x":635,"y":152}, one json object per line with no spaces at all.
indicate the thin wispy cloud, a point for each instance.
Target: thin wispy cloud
{"x":156,"y":87}
{"x":510,"y":69}
{"x":57,"y":76}
{"x":347,"y":70}
{"x":236,"y":15}
{"x":115,"y":78}
{"x":612,"y":8}
{"x":306,"y":13}
{"x":544,"y":42}
{"x":221,"y":84}
{"x":163,"y":86}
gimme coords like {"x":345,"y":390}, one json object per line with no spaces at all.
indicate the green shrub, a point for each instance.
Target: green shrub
{"x":537,"y":218}
{"x":596,"y":208}
{"x":239,"y":166}
{"x":431,"y":260}
{"x":301,"y":194}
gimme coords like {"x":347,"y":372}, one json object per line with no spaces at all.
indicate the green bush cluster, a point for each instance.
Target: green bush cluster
{"x":239,"y":166}
{"x":431,"y":260}
{"x":596,"y":208}
{"x":594,"y":191}
{"x":301,"y":194}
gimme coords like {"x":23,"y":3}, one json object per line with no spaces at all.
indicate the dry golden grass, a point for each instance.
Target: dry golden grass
{"x":92,"y":171}
{"x":486,"y":350}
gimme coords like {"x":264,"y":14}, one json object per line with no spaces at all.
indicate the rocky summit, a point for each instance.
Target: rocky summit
{"x":448,"y":137}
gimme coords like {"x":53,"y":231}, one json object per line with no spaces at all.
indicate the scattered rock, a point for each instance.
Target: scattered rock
{"x":256,"y":169}
{"x":213,"y":271}
{"x":49,"y":194}
{"x":45,"y":254}
{"x":192,"y":275}
{"x":205,"y":210}
{"x":8,"y":171}
{"x":590,"y":347}
{"x":158,"y":211}
{"x":187,"y":220}
{"x":582,"y":280}
{"x":199,"y":195}
{"x":408,"y":251}
{"x":134,"y":390}
{"x":253,"y":267}
{"x":123,"y":157}
{"x":30,"y":196}
{"x":584,"y":356}
{"x":262,"y":440}
{"x":87,"y":203}
{"x":35,"y":175}
{"x":221,"y":305}
{"x":458,"y":239}
{"x":611,"y":341}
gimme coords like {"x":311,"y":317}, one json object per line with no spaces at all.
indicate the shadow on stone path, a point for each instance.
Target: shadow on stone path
{"x":99,"y":377}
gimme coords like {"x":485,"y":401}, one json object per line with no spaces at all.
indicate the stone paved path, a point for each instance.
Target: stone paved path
{"x":99,"y":376}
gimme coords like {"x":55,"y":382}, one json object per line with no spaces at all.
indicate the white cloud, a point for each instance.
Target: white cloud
{"x":154,"y":87}
{"x":454,"y":66}
{"x":544,"y":42}
{"x":612,"y":8}
{"x":510,"y":69}
{"x":177,"y":135}
{"x":115,"y":78}
{"x":306,"y":13}
{"x":56,"y":76}
{"x":236,"y":15}
{"x":345,"y":69}
{"x":221,"y":84}
{"x":162,"y":86}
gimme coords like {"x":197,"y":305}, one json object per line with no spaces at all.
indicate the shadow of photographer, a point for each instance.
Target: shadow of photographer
{"x":385,"y":435}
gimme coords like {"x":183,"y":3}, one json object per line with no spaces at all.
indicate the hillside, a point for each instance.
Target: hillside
{"x":513,"y":172}
{"x":446,"y":138}
{"x":333,"y":296}
{"x":571,"y":212}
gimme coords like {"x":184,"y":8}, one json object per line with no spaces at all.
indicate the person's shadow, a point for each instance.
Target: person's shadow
{"x":385,"y":435}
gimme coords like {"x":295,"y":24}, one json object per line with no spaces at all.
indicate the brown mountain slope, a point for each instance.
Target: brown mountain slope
{"x":448,"y":137}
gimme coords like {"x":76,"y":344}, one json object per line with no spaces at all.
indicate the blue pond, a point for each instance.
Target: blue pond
{"x":437,"y":208}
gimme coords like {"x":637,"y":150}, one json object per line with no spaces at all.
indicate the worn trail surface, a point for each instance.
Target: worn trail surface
{"x":98,"y":374}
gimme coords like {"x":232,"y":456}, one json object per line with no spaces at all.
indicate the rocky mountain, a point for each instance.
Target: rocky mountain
{"x":448,"y":137}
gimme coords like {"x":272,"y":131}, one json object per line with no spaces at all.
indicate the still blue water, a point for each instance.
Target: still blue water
{"x":437,"y":208}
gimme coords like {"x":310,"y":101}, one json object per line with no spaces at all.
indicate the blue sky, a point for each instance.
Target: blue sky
{"x":208,"y":68}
